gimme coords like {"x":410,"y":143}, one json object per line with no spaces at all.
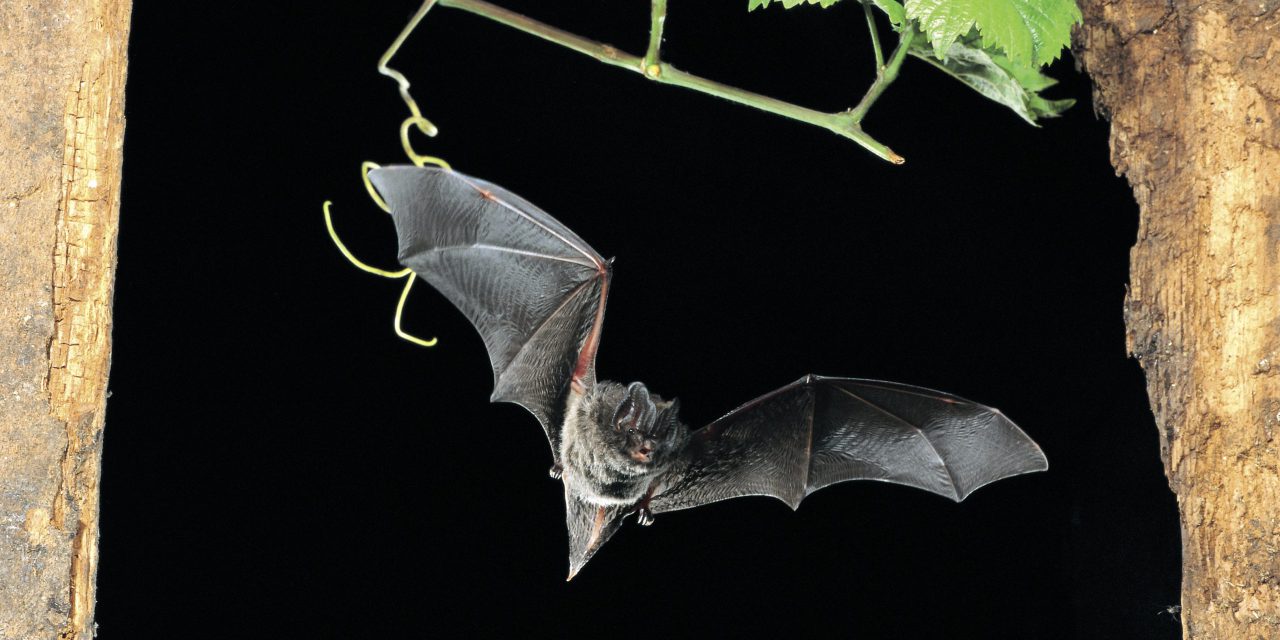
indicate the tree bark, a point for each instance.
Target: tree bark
{"x":1192,"y":89}
{"x":62,"y":73}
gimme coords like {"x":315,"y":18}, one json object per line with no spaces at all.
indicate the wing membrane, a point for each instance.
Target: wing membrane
{"x":531,"y":287}
{"x":819,"y":431}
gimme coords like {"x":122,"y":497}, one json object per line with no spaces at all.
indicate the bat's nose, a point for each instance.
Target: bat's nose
{"x":643,"y":453}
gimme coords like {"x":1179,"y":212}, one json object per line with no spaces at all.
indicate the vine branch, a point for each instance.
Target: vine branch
{"x":875,"y":37}
{"x":658,"y":18}
{"x":885,"y":75}
{"x":846,"y":124}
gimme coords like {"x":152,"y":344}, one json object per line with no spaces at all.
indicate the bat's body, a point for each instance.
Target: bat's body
{"x":607,"y":464}
{"x":536,"y":292}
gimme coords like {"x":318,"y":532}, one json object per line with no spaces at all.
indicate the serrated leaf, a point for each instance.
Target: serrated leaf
{"x":998,"y":78}
{"x":752,"y":5}
{"x":894,"y":9}
{"x":1028,"y":76}
{"x":1027,"y":31}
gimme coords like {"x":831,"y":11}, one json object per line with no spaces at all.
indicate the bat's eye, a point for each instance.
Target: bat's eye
{"x":631,"y":431}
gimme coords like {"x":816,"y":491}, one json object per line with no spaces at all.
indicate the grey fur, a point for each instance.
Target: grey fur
{"x":594,"y":452}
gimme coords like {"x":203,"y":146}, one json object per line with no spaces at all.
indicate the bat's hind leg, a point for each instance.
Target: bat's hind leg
{"x":644,"y":517}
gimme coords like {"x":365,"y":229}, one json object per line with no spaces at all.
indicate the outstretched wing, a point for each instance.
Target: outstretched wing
{"x":818,"y":431}
{"x":533,"y":289}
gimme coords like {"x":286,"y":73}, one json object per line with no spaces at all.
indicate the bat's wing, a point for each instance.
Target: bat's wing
{"x":818,"y":431}
{"x":533,"y":289}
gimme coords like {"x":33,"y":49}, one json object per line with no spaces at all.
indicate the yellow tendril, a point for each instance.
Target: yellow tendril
{"x":424,"y":125}
{"x":328,"y":222}
{"x":408,"y":146}
{"x":405,"y":273}
{"x":365,"y":168}
{"x":416,"y":157}
{"x":404,"y":295}
{"x":416,"y":119}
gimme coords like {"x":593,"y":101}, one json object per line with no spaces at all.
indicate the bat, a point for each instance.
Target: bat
{"x":536,"y":293}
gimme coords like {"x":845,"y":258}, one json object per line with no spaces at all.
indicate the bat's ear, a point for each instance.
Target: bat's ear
{"x":671,"y":408}
{"x":635,"y":409}
{"x":627,"y":416}
{"x":668,"y":415}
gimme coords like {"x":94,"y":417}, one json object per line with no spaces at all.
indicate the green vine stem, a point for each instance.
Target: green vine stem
{"x":885,"y":75}
{"x":875,"y":37}
{"x":658,"y":18}
{"x":844,"y":123}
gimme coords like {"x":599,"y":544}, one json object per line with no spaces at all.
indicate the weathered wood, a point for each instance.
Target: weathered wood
{"x":62,"y":73}
{"x":1193,"y":93}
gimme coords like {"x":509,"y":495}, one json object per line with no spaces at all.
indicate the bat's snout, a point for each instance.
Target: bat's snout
{"x":643,"y":453}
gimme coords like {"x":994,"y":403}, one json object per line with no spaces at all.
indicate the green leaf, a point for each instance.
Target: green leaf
{"x":997,"y":77}
{"x":1029,"y":32}
{"x":897,"y":14}
{"x":894,"y":9}
{"x":752,"y":5}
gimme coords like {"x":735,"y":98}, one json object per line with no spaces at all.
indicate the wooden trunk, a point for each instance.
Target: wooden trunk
{"x":62,"y":73}
{"x":1192,"y":90}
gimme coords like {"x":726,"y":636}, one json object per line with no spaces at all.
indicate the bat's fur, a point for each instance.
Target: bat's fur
{"x":617,"y":440}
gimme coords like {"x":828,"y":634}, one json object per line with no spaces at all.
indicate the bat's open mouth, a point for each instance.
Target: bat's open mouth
{"x":642,"y":454}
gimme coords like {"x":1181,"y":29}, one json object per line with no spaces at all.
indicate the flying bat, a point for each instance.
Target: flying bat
{"x":536,"y":293}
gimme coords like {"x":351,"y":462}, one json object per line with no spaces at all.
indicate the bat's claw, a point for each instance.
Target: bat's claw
{"x":644,"y":517}
{"x":556,"y":471}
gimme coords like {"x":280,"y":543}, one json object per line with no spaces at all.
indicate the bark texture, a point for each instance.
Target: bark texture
{"x":1192,"y":89}
{"x":62,"y":73}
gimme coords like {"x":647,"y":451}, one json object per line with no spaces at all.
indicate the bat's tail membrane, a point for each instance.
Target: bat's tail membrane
{"x":590,"y":526}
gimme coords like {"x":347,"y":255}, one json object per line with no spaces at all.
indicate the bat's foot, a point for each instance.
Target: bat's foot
{"x":556,"y":471}
{"x":644,"y":517}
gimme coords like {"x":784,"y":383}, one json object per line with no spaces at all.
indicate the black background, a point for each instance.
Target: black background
{"x":279,"y":464}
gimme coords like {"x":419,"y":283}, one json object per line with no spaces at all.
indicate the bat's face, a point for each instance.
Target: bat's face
{"x":645,"y":427}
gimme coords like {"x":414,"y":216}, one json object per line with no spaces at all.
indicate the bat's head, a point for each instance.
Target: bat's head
{"x":646,"y":426}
